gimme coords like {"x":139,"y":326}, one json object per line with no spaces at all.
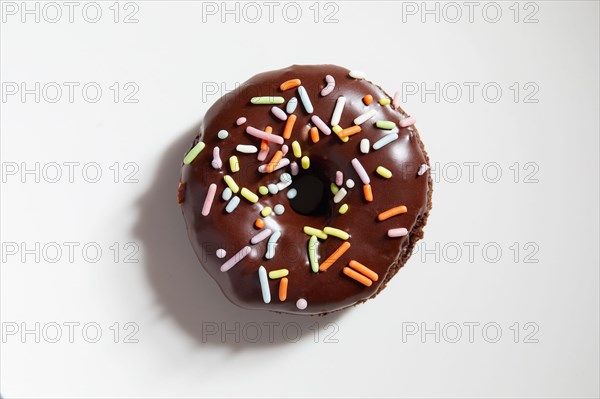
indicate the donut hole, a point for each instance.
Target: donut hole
{"x":311,"y":199}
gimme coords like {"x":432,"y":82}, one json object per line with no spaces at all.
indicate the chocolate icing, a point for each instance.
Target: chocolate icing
{"x":324,"y":291}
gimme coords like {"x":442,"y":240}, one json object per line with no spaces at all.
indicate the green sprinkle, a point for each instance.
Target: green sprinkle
{"x":190,"y":156}
{"x":383,"y":172}
{"x":384,"y":101}
{"x":267,"y":100}
{"x":263,"y":190}
{"x":231,"y":183}
{"x":343,"y":209}
{"x":234,"y":164}
{"x":266,"y":211}
{"x":313,"y":245}
{"x":305,"y":162}
{"x":334,"y":188}
{"x":336,"y":233}
{"x":275,"y":274}
{"x":311,"y":231}
{"x":387,"y":125}
{"x":249,"y":195}
{"x":296,"y":149}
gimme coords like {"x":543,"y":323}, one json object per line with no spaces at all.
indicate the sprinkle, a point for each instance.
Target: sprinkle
{"x":357,"y":74}
{"x":383,"y":172}
{"x":264,"y":146}
{"x":357,"y":276}
{"x":263,"y":190}
{"x":385,"y":141}
{"x":283,"y":286}
{"x":350,"y":183}
{"x":264,"y":284}
{"x":392,"y":212}
{"x":289,"y":125}
{"x":334,"y":188}
{"x":294,"y":168}
{"x":231,"y":183}
{"x":291,"y":194}
{"x":273,"y":189}
{"x":411,"y":120}
{"x":236,"y":258}
{"x":246,"y":149}
{"x":223,"y":134}
{"x":332,"y":231}
{"x":296,"y":149}
{"x":227,"y":193}
{"x":234,"y":164}
{"x":285,"y":177}
{"x":368,"y":192}
{"x":305,"y":161}
{"x":261,"y":236}
{"x":384,"y":101}
{"x":364,"y":146}
{"x":343,"y":209}
{"x":368,"y":99}
{"x":301,"y":304}
{"x":321,"y":125}
{"x":422,"y":169}
{"x":284,"y":162}
{"x":274,"y":161}
{"x":264,"y":135}
{"x":272,"y":244}
{"x":401,"y":232}
{"x":386,"y":125}
{"x":334,"y":256}
{"x":216,"y":162}
{"x":362,"y":173}
{"x":181,"y":192}
{"x":249,"y":195}
{"x":349,"y":131}
{"x":266,"y":211}
{"x":290,"y":84}
{"x":305,"y":100}
{"x":259,"y":223}
{"x":337,"y":111}
{"x":330,"y":86}
{"x":365,"y":117}
{"x":275,"y":274}
{"x":232,"y":204}
{"x":193,"y":153}
{"x":267,"y":100}
{"x":278,"y":112}
{"x":396,"y":100}
{"x":313,"y":247}
{"x":314,"y":134}
{"x":285,"y":149}
{"x":221,"y":253}
{"x":283,"y":185}
{"x":339,"y":177}
{"x":340,"y":195}
{"x":311,"y":231}
{"x":241,"y":120}
{"x":359,"y":267}
{"x":291,"y":105}
{"x":337,"y":129}
{"x":279,"y":209}
{"x":210,"y":196}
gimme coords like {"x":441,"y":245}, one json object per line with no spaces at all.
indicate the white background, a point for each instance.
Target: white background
{"x":174,"y":58}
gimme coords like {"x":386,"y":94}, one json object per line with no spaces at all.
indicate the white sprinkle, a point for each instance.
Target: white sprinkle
{"x":285,"y":177}
{"x":305,"y":100}
{"x":227,"y":193}
{"x":291,"y":105}
{"x":222,"y":134}
{"x":232,"y":204}
{"x":216,"y":162}
{"x":236,"y":258}
{"x":357,"y":74}
{"x":240,"y":121}
{"x":294,"y":168}
{"x":279,"y":114}
{"x":261,"y":236}
{"x":385,"y":141}
{"x":350,"y":183}
{"x":282,"y":164}
{"x":365,"y":117}
{"x":362,"y":173}
{"x":246,"y":148}
{"x":221,"y":253}
{"x":321,"y":125}
{"x":264,"y":284}
{"x":422,"y":169}
{"x":301,"y":304}
{"x":329,"y":87}
{"x":279,"y":209}
{"x":291,"y":194}
{"x":283,"y":185}
{"x":364,"y":146}
{"x":337,"y":111}
{"x":272,"y":244}
{"x":340,"y":195}
{"x":273,"y":189}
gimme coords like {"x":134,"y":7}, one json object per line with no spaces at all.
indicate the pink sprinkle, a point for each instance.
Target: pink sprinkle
{"x":401,"y":232}
{"x":294,"y":168}
{"x":235,"y":259}
{"x":396,"y":100}
{"x":262,"y":154}
{"x":362,"y":173}
{"x":264,"y":135}
{"x":285,"y":149}
{"x":241,"y":120}
{"x":339,"y":178}
{"x":212,"y":189}
{"x":330,"y":85}
{"x":216,"y":162}
{"x":261,"y":236}
{"x":411,"y":120}
{"x":279,"y":113}
{"x":321,"y":125}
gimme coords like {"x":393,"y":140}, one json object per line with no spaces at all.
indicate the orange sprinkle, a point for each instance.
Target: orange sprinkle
{"x":314,"y":134}
{"x":274,"y":161}
{"x":290,"y":84}
{"x":334,"y":256}
{"x":283,"y":289}
{"x":259,"y":223}
{"x":289,"y":125}
{"x":368,"y":192}
{"x":392,"y":212}
{"x":368,"y":99}
{"x":264,"y":145}
{"x":359,"y":267}
{"x":357,"y":276}
{"x":349,"y":131}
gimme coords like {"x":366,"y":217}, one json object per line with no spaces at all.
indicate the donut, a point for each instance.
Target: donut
{"x":305,"y":190}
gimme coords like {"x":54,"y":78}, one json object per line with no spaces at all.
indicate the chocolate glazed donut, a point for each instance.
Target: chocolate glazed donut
{"x":334,"y":245}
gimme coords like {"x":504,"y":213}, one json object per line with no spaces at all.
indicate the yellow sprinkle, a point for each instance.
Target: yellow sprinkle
{"x":231,"y":183}
{"x":234,"y":164}
{"x":263,"y":190}
{"x":296,"y":149}
{"x":337,"y":129}
{"x":332,"y":231}
{"x":334,"y":188}
{"x":305,"y":162}
{"x":275,"y":274}
{"x":343,"y":209}
{"x":266,"y":211}
{"x":384,"y":101}
{"x":311,"y":231}
{"x":249,"y":195}
{"x":383,"y":172}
